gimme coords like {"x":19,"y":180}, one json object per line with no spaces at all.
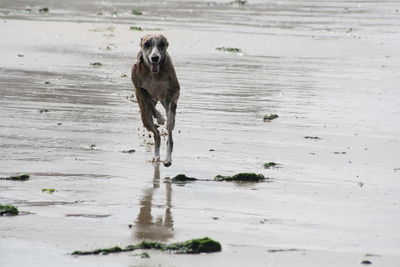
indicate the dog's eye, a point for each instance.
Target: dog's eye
{"x":147,"y":44}
{"x":162,"y":44}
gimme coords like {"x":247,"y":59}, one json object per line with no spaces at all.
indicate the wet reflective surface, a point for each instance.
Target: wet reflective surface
{"x":148,"y":225}
{"x":329,"y":69}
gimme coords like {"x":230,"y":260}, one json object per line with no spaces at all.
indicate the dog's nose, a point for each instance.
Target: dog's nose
{"x":155,"y":59}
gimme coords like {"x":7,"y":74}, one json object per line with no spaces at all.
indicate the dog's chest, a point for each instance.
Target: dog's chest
{"x":157,"y":89}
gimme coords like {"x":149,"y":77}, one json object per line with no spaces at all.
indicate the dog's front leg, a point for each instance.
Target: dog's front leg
{"x":171,"y":112}
{"x":147,"y":108}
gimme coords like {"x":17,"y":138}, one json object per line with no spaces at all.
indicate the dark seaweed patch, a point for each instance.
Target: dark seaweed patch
{"x":136,"y":12}
{"x":229,"y":49}
{"x":194,"y":246}
{"x":241,"y":177}
{"x":8,"y":210}
{"x":269,"y":165}
{"x":183,"y":178}
{"x":22,"y":177}
{"x":130,"y":151}
{"x":312,"y":137}
{"x":96,"y":64}
{"x":268,"y":118}
{"x":44,"y":10}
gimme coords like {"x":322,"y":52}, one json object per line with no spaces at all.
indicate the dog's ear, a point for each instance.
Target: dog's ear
{"x":143,"y":40}
{"x":165,"y":41}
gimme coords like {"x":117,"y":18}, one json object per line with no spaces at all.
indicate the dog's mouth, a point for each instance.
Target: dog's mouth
{"x":155,"y":67}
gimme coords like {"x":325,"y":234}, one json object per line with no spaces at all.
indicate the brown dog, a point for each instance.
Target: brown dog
{"x":155,"y":80}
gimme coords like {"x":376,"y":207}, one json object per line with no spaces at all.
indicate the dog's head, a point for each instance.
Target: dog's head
{"x":154,"y":48}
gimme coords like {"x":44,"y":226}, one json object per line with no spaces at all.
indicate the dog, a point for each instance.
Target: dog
{"x":154,"y":78}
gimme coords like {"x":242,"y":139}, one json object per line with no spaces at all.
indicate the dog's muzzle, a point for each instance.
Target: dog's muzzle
{"x":155,"y":63}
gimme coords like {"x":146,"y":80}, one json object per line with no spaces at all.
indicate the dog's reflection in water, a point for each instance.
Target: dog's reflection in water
{"x":149,"y":224}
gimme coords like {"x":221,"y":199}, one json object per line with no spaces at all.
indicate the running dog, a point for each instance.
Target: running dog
{"x":154,"y":78}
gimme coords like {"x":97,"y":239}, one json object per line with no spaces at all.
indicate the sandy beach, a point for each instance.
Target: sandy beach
{"x":329,"y":69}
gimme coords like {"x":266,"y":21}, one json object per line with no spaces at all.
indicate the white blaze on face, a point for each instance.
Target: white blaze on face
{"x":155,"y":67}
{"x":155,"y":53}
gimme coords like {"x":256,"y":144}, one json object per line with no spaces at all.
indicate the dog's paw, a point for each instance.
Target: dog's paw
{"x":160,"y":120}
{"x":167,"y":163}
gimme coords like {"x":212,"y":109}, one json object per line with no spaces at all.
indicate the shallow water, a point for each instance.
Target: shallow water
{"x":328,"y":69}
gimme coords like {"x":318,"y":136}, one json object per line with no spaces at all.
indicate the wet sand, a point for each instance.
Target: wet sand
{"x":328,"y":69}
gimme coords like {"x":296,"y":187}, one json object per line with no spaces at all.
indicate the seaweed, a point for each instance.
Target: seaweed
{"x":268,"y":118}
{"x":238,"y":2}
{"x":229,"y":49}
{"x":22,"y":177}
{"x":241,"y":177}
{"x":96,"y":64}
{"x":103,"y":251}
{"x":312,"y":137}
{"x":367,"y":262}
{"x":134,"y":28}
{"x":44,"y":10}
{"x":8,"y":210}
{"x":129,"y":151}
{"x":269,"y":165}
{"x":194,"y":246}
{"x":48,"y":190}
{"x":183,"y":178}
{"x":136,"y":12}
{"x":282,"y":250}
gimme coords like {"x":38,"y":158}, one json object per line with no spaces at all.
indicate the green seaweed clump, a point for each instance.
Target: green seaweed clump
{"x":229,"y":49}
{"x":148,"y":245}
{"x":269,"y":165}
{"x":183,"y":178}
{"x":134,"y":28}
{"x":22,"y":177}
{"x":48,"y":190}
{"x":8,"y":210}
{"x":195,"y":246}
{"x":44,"y":10}
{"x":268,"y":118}
{"x":241,"y":177}
{"x":102,"y":251}
{"x":136,"y":12}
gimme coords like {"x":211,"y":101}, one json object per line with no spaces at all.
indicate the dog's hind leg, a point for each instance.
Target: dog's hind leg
{"x":171,"y":112}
